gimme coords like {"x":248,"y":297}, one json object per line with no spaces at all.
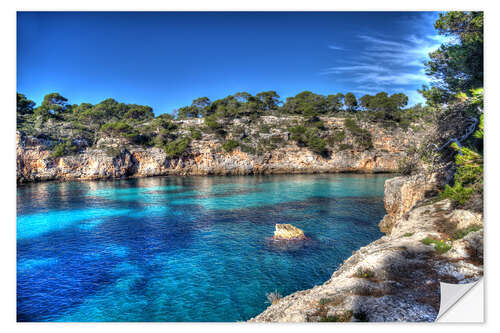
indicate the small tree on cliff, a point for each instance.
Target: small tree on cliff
{"x":350,"y":102}
{"x":24,"y":105}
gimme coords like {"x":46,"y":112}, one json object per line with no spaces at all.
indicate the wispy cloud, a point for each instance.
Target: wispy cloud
{"x":334,"y":47}
{"x":388,"y":63}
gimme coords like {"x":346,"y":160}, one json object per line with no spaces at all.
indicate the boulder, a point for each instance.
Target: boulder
{"x":288,"y":232}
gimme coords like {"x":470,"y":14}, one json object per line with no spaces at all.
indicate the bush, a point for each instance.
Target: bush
{"x":229,"y":145}
{"x":264,"y":128}
{"x":212,"y":123}
{"x":273,"y":297}
{"x":195,"y":134}
{"x":317,"y":145}
{"x":308,"y":137}
{"x":407,"y":166}
{"x":458,"y":194}
{"x":344,"y":317}
{"x":248,"y":149}
{"x":439,"y":245}
{"x":364,"y":273}
{"x":64,"y":148}
{"x":363,"y":137}
{"x":116,"y":127}
{"x":324,"y":301}
{"x":461,"y":233}
{"x":345,"y":147}
{"x":176,"y":147}
{"x":336,"y":137}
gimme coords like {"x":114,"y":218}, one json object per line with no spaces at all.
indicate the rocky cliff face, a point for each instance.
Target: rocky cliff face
{"x":110,"y":158}
{"x":396,"y":278}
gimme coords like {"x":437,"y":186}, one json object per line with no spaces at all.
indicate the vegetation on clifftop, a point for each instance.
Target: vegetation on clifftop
{"x":61,"y":121}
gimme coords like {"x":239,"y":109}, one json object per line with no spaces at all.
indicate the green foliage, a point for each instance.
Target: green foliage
{"x":324,"y":301}
{"x":24,"y":105}
{"x":195,"y":134}
{"x":336,"y":137}
{"x":456,"y":66}
{"x":385,"y":107}
{"x":269,"y":100}
{"x":408,"y":234}
{"x":461,"y":233}
{"x":116,"y":127}
{"x":439,"y":245}
{"x":212,"y":123}
{"x":351,"y":102}
{"x":308,"y":137}
{"x":64,"y":148}
{"x":363,"y":137}
{"x":316,"y":144}
{"x":345,"y":147}
{"x":468,"y":179}
{"x":344,"y":317}
{"x":458,"y":193}
{"x":229,"y":145}
{"x":138,"y":112}
{"x":176,"y":148}
{"x":407,"y":166}
{"x":365,"y":273}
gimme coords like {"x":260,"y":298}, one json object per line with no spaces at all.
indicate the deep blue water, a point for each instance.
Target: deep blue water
{"x":183,"y":249}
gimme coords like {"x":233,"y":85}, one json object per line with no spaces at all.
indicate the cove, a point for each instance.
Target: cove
{"x":184,"y":248}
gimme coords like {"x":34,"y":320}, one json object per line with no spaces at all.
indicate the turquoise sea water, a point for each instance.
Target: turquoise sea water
{"x":184,"y":249}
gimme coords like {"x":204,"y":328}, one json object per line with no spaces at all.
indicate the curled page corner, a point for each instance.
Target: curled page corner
{"x":456,"y":306}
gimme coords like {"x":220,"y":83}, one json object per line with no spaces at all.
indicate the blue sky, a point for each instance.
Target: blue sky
{"x":166,"y":60}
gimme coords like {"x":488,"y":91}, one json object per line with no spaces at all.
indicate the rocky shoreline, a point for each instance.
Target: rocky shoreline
{"x":112,"y":157}
{"x":396,"y":278}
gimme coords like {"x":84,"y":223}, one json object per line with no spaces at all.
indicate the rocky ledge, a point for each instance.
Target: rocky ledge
{"x":396,"y":278}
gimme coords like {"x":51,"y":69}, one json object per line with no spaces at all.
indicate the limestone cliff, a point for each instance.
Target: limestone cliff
{"x":111,"y":158}
{"x":396,"y":278}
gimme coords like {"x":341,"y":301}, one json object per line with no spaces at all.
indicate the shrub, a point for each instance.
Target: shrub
{"x":297,"y":133}
{"x":273,"y":297}
{"x":264,"y":128}
{"x":229,"y":145}
{"x":408,"y":234}
{"x":308,"y":137}
{"x":317,"y":144}
{"x":116,"y":127}
{"x":461,"y":233}
{"x":336,"y":137}
{"x":248,"y":149}
{"x":324,"y":301}
{"x":176,"y":147}
{"x":212,"y":123}
{"x":407,"y":166}
{"x":363,"y":137}
{"x":458,"y":193}
{"x":439,"y":245}
{"x":345,"y":147}
{"x":64,"y":148}
{"x":364,"y":273}
{"x":346,"y":316}
{"x":195,"y":134}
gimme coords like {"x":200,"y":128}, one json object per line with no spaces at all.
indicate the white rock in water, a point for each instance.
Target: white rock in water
{"x":288,"y":232}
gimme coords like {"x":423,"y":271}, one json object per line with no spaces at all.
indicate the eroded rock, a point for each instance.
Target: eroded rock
{"x":288,"y":232}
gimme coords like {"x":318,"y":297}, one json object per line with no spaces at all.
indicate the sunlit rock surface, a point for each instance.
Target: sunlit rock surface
{"x":288,"y":232}
{"x":396,"y":278}
{"x":113,"y":158}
